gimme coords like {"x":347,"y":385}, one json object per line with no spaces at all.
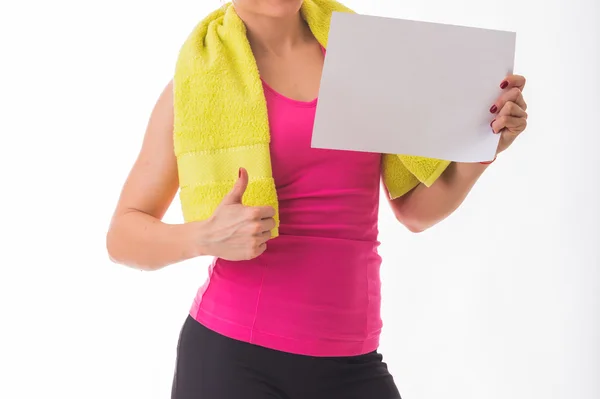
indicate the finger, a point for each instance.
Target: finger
{"x":511,"y":81}
{"x":265,"y":236}
{"x":512,"y":109}
{"x":511,"y":124}
{"x":256,"y":250}
{"x":260,"y":212}
{"x":513,"y":95}
{"x":266,"y":225}
{"x":520,"y":101}
{"x":260,"y":250}
{"x":237,"y":192}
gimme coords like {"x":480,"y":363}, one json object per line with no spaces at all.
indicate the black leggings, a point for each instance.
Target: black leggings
{"x":211,"y":366}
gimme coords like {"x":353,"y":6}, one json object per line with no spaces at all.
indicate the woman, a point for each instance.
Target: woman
{"x":300,"y":319}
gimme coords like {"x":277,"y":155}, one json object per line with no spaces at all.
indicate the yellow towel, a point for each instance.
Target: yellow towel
{"x":221,"y":120}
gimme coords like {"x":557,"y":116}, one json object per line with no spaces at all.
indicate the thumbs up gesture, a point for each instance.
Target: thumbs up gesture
{"x":237,"y":232}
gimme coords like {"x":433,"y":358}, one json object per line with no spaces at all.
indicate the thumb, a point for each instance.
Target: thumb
{"x":238,"y":190}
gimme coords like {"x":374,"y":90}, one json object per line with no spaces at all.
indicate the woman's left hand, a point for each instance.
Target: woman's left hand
{"x":510,"y":109}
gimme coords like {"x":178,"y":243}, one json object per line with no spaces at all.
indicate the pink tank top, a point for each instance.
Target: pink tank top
{"x":316,"y":290}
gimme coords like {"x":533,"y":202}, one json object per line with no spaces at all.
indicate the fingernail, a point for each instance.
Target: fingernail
{"x":493,"y":109}
{"x":239,"y":172}
{"x":491,"y":125}
{"x":503,"y":84}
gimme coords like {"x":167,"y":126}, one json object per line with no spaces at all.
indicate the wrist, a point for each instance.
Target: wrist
{"x":193,"y":237}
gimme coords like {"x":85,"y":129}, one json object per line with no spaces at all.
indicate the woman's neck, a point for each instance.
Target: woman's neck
{"x":275,"y":35}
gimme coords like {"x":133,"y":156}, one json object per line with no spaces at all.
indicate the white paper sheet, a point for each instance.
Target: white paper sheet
{"x":408,"y":87}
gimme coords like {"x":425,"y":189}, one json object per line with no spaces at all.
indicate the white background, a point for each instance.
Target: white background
{"x":502,"y":300}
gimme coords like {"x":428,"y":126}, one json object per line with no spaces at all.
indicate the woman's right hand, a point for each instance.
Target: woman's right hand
{"x":237,"y":232}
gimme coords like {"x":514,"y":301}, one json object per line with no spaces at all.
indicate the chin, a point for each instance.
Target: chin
{"x":271,"y":8}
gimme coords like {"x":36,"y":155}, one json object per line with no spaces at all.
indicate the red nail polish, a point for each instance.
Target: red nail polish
{"x":493,"y":109}
{"x":491,"y":125}
{"x":239,"y":172}
{"x":503,"y":84}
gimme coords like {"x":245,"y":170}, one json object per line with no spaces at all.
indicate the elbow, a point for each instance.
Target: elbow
{"x":413,"y":223}
{"x":415,"y":226}
{"x":420,"y":224}
{"x":111,"y":249}
{"x":114,"y":250}
{"x":409,"y":216}
{"x":118,"y":255}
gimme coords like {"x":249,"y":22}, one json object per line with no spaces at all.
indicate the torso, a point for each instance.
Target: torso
{"x":316,"y":290}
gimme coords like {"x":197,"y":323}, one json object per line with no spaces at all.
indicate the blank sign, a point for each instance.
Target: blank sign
{"x":409,"y":87}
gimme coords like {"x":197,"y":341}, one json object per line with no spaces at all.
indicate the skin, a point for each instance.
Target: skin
{"x":290,"y":60}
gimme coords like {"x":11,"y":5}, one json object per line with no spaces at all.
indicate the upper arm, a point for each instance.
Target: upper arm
{"x":153,"y":181}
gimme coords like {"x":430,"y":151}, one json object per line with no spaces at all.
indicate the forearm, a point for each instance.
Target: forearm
{"x":424,"y":207}
{"x":138,"y":240}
